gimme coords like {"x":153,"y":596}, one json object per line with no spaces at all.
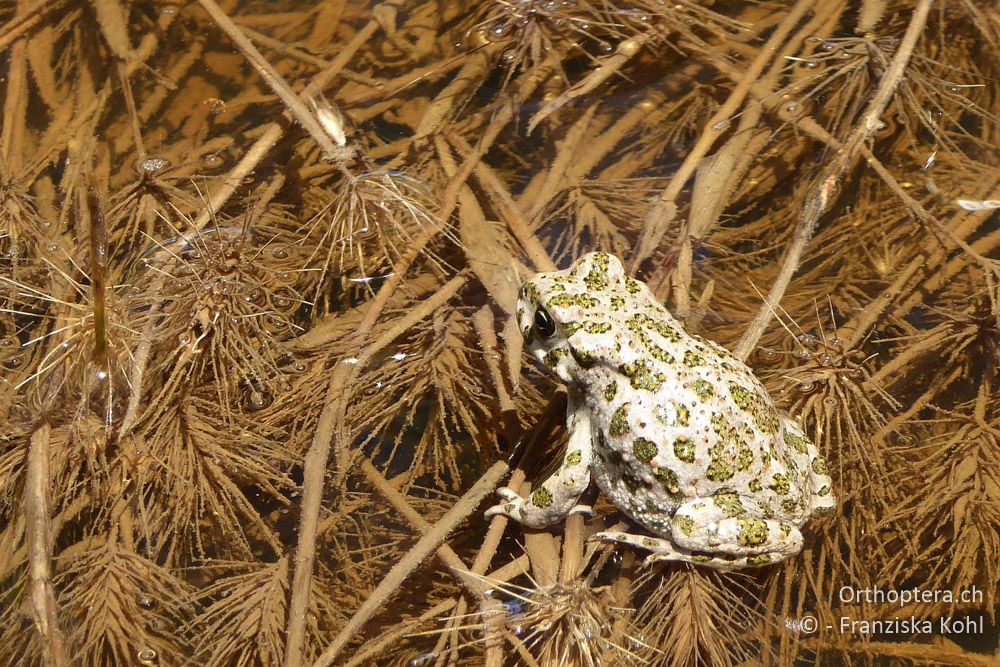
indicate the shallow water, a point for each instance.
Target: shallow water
{"x":260,"y":353}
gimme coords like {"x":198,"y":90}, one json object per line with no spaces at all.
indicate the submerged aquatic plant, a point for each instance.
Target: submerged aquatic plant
{"x":255,"y":375}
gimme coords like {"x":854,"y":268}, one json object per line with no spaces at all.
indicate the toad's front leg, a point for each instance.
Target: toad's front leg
{"x":557,"y":496}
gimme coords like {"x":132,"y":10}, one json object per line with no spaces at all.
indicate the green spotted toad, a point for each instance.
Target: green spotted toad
{"x":676,"y":431}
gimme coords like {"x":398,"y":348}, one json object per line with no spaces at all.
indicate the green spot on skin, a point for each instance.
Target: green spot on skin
{"x":610,"y":390}
{"x":730,"y":504}
{"x":668,"y":478}
{"x":764,"y":415}
{"x":785,"y":529}
{"x":755,"y":486}
{"x":641,"y":377}
{"x":541,"y":497}
{"x":574,"y":458}
{"x":643,"y":449}
{"x":684,"y":449}
{"x":703,"y":389}
{"x":683,"y":414}
{"x":583,"y":359}
{"x":570,"y":328}
{"x":632,"y":285}
{"x":531,"y":293}
{"x":583,"y":300}
{"x":552,"y":358}
{"x":752,"y":533}
{"x":597,"y":279}
{"x":759,"y":559}
{"x":617,"y":303}
{"x":719,"y":470}
{"x":824,"y":491}
{"x":744,"y":455}
{"x":597,"y":327}
{"x":692,"y":359}
{"x":619,"y":422}
{"x":649,"y":543}
{"x":789,"y":506}
{"x":819,"y":466}
{"x":780,"y":484}
{"x":685,"y":524}
{"x":796,"y":442}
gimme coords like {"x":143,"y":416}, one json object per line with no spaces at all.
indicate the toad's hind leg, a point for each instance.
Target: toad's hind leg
{"x":557,"y":496}
{"x":664,"y":550}
{"x":722,"y":524}
{"x":822,"y":499}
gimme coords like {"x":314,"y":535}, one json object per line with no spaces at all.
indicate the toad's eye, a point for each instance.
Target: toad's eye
{"x":544,"y":324}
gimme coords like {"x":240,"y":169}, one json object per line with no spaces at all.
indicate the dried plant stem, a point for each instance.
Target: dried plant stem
{"x":36,"y":510}
{"x":511,"y":212}
{"x":416,"y":555}
{"x":277,"y":83}
{"x":823,"y":193}
{"x":15,"y":105}
{"x":25,"y":21}
{"x":373,"y":647}
{"x":331,"y":425}
{"x":327,"y":74}
{"x":445,"y":553}
{"x":111,"y":18}
{"x":662,"y":213}
{"x":572,"y":553}
{"x":609,"y":66}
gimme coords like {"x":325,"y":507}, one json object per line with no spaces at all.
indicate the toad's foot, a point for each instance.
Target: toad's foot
{"x":665,"y":550}
{"x":538,"y":510}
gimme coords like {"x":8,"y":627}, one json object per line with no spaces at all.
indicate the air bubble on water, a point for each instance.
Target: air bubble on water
{"x":146,"y":656}
{"x":498,"y":30}
{"x":721,"y":125}
{"x":146,"y":602}
{"x":279,"y":253}
{"x":802,"y":354}
{"x":13,"y":363}
{"x":212,"y":161}
{"x":768,"y":354}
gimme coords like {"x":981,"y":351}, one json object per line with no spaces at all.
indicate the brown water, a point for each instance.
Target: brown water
{"x":259,"y":266}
